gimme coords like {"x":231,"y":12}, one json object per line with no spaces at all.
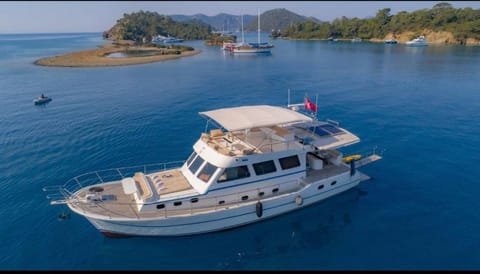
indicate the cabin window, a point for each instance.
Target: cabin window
{"x":190,"y":159}
{"x":275,"y":190}
{"x":160,"y":206}
{"x":177,"y":203}
{"x":289,"y":162}
{"x":244,"y":197}
{"x":206,"y":172}
{"x":320,"y":187}
{"x":233,"y":173}
{"x":333,"y":183}
{"x":221,"y":202}
{"x":196,"y":164}
{"x":193,"y":200}
{"x":264,"y":167}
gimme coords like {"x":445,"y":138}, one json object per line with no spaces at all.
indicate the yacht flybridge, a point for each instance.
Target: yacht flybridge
{"x":251,"y":163}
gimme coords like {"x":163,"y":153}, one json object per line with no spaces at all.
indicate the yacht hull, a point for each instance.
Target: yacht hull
{"x":251,"y":51}
{"x":227,"y":218}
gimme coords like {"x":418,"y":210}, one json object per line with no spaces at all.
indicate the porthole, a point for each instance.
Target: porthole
{"x":160,"y":206}
{"x":320,"y":187}
{"x":244,"y":197}
{"x":333,"y":183}
{"x":221,"y":202}
{"x":260,"y":194}
{"x":194,"y":200}
{"x":177,"y":203}
{"x":275,"y":190}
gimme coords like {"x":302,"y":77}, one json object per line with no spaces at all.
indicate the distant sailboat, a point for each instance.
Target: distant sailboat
{"x":258,"y":47}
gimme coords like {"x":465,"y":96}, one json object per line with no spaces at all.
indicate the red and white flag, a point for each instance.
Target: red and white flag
{"x":310,"y":105}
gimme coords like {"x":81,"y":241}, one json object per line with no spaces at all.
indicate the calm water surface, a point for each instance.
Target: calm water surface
{"x":421,"y":105}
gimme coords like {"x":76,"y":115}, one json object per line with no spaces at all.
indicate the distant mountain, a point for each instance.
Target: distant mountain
{"x":277,"y":19}
{"x":143,"y":25}
{"x":219,"y":22}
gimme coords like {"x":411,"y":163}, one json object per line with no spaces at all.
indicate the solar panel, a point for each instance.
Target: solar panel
{"x":332,"y":129}
{"x":319,"y":131}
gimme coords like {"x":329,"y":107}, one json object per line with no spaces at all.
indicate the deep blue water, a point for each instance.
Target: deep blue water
{"x":422,"y":105}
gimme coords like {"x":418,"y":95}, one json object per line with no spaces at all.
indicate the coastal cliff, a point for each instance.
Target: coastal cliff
{"x":432,"y":37}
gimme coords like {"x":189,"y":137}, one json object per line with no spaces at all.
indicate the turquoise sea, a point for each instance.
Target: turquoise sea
{"x":420,"y":211}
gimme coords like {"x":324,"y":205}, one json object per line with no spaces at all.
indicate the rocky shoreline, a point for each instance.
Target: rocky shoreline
{"x":99,"y":57}
{"x":432,"y":37}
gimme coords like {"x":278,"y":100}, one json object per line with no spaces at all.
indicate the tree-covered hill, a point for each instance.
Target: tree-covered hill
{"x":463,"y":24}
{"x":276,"y":19}
{"x":221,"y":22}
{"x":143,"y":25}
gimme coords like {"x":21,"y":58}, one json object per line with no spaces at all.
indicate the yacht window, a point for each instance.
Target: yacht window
{"x":177,"y":203}
{"x":333,"y":183}
{"x":190,"y":159}
{"x":193,"y":200}
{"x":233,"y":173}
{"x":261,"y":194}
{"x":206,"y":172}
{"x":320,"y":187}
{"x":264,"y":167}
{"x":289,"y":162}
{"x":221,"y":202}
{"x":160,"y":206}
{"x":244,"y":197}
{"x":196,"y":164}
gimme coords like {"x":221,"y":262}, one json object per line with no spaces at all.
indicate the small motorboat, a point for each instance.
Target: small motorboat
{"x":391,"y":41}
{"x":418,"y":42}
{"x":42,"y":99}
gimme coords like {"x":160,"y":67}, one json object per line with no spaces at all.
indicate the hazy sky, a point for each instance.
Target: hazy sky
{"x":91,"y":16}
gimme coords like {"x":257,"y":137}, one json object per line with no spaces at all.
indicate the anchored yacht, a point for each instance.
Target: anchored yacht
{"x":418,"y":42}
{"x":252,"y":163}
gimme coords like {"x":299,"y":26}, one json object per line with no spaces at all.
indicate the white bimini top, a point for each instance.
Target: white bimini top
{"x":239,"y":118}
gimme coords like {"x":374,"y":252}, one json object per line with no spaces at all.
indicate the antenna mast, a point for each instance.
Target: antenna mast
{"x":258,"y":14}
{"x":243,"y":39}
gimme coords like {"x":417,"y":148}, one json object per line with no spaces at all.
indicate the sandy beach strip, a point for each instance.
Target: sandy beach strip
{"x":98,"y":57}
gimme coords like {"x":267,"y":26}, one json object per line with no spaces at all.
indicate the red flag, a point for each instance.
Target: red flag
{"x":309,"y":105}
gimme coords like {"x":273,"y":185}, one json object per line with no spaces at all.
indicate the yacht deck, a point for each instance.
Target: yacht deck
{"x":113,"y":202}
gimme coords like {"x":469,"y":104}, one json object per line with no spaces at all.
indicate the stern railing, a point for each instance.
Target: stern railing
{"x":59,"y":194}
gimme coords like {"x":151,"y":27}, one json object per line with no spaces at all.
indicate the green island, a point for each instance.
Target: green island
{"x":441,"y":24}
{"x":132,"y":38}
{"x":128,"y":54}
{"x":134,"y":34}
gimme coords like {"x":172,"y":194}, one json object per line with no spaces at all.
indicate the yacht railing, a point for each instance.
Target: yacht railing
{"x":59,"y":193}
{"x":369,"y":156}
{"x":235,"y":200}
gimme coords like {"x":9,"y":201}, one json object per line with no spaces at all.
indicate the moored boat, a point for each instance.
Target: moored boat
{"x":418,"y":42}
{"x":251,"y":163}
{"x":391,"y":41}
{"x":160,"y":39}
{"x":249,"y":48}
